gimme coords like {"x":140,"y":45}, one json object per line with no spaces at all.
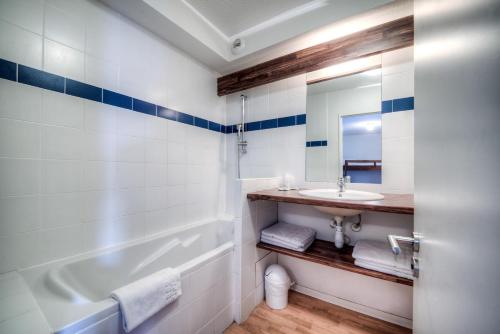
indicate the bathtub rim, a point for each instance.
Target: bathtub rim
{"x":119,"y":246}
{"x":109,"y":306}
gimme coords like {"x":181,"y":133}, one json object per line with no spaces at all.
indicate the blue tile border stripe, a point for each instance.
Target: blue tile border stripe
{"x":8,"y":70}
{"x":41,"y":79}
{"x":316,"y":143}
{"x":38,"y":78}
{"x":83,"y":90}
{"x":271,"y":123}
{"x":116,"y":99}
{"x":402,"y":104}
{"x":144,"y":107}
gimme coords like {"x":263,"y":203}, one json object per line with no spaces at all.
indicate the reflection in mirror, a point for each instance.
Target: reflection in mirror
{"x":362,"y":148}
{"x":343,"y":128}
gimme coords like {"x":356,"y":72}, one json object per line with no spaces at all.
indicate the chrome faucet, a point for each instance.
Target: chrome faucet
{"x":341,"y":184}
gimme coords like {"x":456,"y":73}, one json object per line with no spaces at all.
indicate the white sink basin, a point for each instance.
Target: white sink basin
{"x":347,"y":195}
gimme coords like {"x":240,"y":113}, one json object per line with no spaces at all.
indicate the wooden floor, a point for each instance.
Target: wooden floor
{"x":305,"y":314}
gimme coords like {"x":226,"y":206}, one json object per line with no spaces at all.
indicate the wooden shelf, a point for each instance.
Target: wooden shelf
{"x":325,"y":253}
{"x":393,"y":203}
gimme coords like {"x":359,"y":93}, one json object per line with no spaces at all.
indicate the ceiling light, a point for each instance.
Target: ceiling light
{"x":370,"y":126}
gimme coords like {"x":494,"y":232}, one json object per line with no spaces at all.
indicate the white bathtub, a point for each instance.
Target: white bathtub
{"x":73,"y":293}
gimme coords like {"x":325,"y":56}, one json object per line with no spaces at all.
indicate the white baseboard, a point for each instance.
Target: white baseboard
{"x":405,"y":322}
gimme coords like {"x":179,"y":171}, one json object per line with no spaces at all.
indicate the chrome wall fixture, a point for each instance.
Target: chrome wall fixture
{"x":241,"y":142}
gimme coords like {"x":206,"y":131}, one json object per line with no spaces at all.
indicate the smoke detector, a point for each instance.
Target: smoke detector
{"x":238,"y":46}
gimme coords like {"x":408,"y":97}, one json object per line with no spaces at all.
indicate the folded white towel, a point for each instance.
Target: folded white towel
{"x":143,"y":298}
{"x":287,"y":245}
{"x":384,"y":269}
{"x":380,"y":253}
{"x":407,"y":271}
{"x":293,"y":235}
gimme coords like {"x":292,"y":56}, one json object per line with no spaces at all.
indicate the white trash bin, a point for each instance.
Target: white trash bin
{"x":277,"y":283}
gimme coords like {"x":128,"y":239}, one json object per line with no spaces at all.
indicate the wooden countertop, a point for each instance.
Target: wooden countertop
{"x":393,"y":203}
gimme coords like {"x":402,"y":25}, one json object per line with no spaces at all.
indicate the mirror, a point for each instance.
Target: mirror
{"x":343,"y":129}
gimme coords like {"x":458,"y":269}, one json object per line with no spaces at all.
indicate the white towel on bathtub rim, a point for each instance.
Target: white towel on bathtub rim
{"x":294,"y":235}
{"x":384,"y":269}
{"x":141,"y":299}
{"x":286,"y":245}
{"x":380,"y":252}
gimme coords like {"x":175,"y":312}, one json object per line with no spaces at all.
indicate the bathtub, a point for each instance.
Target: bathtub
{"x":73,"y":293}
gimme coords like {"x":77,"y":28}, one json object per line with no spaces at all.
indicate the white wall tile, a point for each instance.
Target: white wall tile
{"x":176,"y":132}
{"x":100,"y":146}
{"x":156,"y":221}
{"x":19,"y":214}
{"x":63,"y":60}
{"x":156,"y":198}
{"x":297,"y":92}
{"x":20,"y":46}
{"x":61,"y":176}
{"x":397,"y":85}
{"x":61,"y":109}
{"x":397,"y":125}
{"x":100,"y":206}
{"x":130,"y":201}
{"x":156,"y":175}
{"x":100,"y":117}
{"x":62,"y":210}
{"x":64,"y":28}
{"x":278,"y":99}
{"x":156,"y":151}
{"x":19,"y":177}
{"x":130,"y":149}
{"x":20,"y":102}
{"x":176,"y":174}
{"x":101,"y":73}
{"x":130,"y":175}
{"x":19,"y":139}
{"x":27,"y":14}
{"x":156,"y":128}
{"x":130,"y":123}
{"x":176,"y":215}
{"x":100,"y":175}
{"x":61,"y":242}
{"x":176,"y":153}
{"x":257,"y":103}
{"x":62,"y":143}
{"x":176,"y":195}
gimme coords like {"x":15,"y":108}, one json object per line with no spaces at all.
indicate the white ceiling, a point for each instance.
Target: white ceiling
{"x":232,"y":17}
{"x":206,"y":29}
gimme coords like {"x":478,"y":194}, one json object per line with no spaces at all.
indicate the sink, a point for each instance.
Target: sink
{"x":347,"y":195}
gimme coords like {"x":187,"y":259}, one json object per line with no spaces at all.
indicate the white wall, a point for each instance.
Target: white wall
{"x":362,"y":146}
{"x":271,"y":152}
{"x":250,"y":262}
{"x":78,"y":175}
{"x":397,"y":127}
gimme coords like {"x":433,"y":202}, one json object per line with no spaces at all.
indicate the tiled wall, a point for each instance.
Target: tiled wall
{"x":250,"y":262}
{"x":76,"y":174}
{"x":272,"y":151}
{"x":397,"y":121}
